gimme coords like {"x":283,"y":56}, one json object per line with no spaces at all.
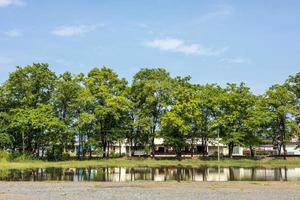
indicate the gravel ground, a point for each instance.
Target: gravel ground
{"x":149,"y":190}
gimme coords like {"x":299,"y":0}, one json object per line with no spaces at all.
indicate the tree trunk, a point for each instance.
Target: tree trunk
{"x":104,"y":149}
{"x":79,"y":143}
{"x":107,"y":156}
{"x":284,"y":151}
{"x":43,"y":150}
{"x":83,"y":149}
{"x":279,"y":146}
{"x":203,"y":146}
{"x":152,"y":141}
{"x":230,"y":149}
{"x":90,"y":147}
{"x":130,"y":148}
{"x":120,"y":152}
{"x":192,"y":148}
{"x":178,"y":154}
{"x":153,"y":148}
{"x":53,"y":152}
{"x":251,"y":152}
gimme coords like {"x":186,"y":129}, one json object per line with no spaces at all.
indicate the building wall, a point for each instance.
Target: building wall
{"x":291,"y":149}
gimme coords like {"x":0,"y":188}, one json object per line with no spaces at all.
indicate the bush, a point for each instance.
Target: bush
{"x":215,"y":155}
{"x":54,"y":153}
{"x":5,"y":156}
{"x":19,"y":157}
{"x":65,"y":156}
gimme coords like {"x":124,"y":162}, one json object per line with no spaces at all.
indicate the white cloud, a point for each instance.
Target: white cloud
{"x":237,"y":60}
{"x":13,"y":33}
{"x":65,"y":31}
{"x":6,"y":3}
{"x":176,"y":45}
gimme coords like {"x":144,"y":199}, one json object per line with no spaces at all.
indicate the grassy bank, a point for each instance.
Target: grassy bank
{"x":267,"y":162}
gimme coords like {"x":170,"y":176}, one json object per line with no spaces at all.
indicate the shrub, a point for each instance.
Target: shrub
{"x":215,"y":155}
{"x":22,"y":157}
{"x":5,"y":156}
{"x":65,"y":156}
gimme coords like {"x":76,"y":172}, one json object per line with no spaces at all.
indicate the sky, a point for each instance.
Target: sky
{"x":213,"y":41}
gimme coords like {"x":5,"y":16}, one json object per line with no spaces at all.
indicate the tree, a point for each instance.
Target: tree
{"x":180,"y":122}
{"x":65,"y":100}
{"x":151,"y":95}
{"x":280,"y":102}
{"x":26,"y":88}
{"x":5,"y":141}
{"x":236,"y":105}
{"x":39,"y":127}
{"x":293,"y":84}
{"x":85,"y":129}
{"x":209,"y":106}
{"x":108,"y":91}
{"x":30,"y":85}
{"x":5,"y":137}
{"x":256,"y":124}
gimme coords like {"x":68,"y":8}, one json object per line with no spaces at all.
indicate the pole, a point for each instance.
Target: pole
{"x":219,"y":154}
{"x":218,"y":147}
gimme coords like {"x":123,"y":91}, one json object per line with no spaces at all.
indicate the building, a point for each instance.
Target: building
{"x":161,"y":150}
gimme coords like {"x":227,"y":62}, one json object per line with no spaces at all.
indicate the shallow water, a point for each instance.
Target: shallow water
{"x":123,"y":174}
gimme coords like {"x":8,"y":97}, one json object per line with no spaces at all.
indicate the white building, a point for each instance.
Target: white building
{"x":164,"y":151}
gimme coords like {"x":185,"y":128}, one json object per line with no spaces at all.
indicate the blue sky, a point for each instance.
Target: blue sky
{"x":257,"y":42}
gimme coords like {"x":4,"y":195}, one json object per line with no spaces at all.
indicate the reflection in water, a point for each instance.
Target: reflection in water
{"x":121,"y":174}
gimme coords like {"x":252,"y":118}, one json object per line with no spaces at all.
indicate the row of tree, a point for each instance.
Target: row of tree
{"x":44,"y":112}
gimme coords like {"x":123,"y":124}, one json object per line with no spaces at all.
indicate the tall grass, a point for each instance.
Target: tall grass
{"x":5,"y":156}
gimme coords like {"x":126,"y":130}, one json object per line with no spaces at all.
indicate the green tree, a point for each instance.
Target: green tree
{"x":236,"y":106}
{"x":256,"y":124}
{"x":180,"y":122}
{"x":30,"y":85}
{"x":280,"y":102}
{"x":26,"y":88}
{"x":39,"y":127}
{"x":209,"y":106}
{"x":65,"y":100}
{"x":5,"y":138}
{"x":110,"y":102}
{"x":151,"y":95}
{"x":293,"y":83}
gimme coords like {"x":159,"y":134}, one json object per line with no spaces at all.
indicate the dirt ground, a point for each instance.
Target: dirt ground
{"x":149,"y":190}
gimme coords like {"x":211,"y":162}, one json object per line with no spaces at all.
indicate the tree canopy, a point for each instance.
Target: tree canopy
{"x":45,"y":114}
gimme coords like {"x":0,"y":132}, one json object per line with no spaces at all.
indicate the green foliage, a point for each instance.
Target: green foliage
{"x":5,"y":156}
{"x":236,"y":106}
{"x":183,"y":117}
{"x":151,"y":94}
{"x":109,"y":103}
{"x":5,"y":140}
{"x":30,"y":85}
{"x":44,"y":114}
{"x":282,"y":112}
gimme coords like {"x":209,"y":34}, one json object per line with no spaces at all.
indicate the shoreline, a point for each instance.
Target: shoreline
{"x":134,"y":162}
